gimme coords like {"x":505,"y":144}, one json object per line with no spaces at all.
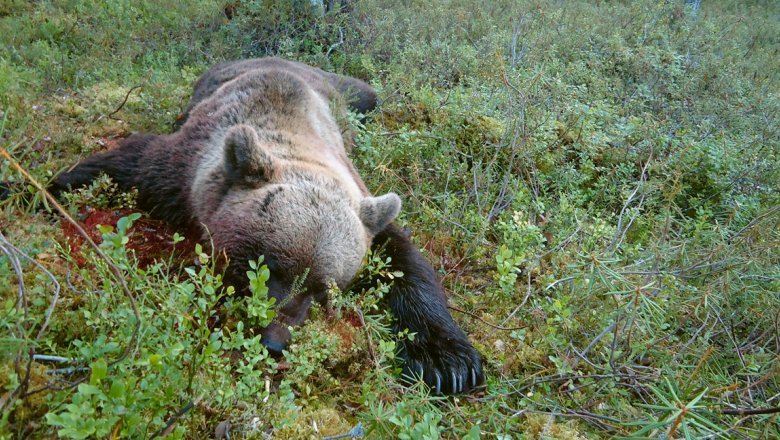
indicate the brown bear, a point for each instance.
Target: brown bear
{"x":260,"y":165}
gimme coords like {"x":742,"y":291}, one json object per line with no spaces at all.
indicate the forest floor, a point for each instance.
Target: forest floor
{"x":596,"y":183}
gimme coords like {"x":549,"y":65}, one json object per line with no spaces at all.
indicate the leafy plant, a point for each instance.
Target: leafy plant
{"x":259,"y":306}
{"x":680,"y":417}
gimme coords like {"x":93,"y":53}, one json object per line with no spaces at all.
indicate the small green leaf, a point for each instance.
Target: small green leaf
{"x":99,"y":371}
{"x":89,"y":390}
{"x":117,"y":389}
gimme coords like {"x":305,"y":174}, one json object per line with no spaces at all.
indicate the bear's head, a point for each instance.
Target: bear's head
{"x":307,"y":227}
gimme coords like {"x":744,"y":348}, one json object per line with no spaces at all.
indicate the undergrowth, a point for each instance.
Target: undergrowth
{"x":597,"y":183}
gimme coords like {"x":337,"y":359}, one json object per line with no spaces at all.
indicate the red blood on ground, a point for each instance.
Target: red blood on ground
{"x":150,"y":239}
{"x":352,"y":318}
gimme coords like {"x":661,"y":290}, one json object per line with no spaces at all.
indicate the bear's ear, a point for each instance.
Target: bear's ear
{"x":246,"y":160}
{"x":377,"y":212}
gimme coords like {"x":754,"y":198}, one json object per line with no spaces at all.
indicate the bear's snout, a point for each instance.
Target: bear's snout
{"x":275,"y":337}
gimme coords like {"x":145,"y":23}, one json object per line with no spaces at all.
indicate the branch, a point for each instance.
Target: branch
{"x":114,"y":269}
{"x":111,"y":115}
{"x":497,"y":327}
{"x":751,"y":411}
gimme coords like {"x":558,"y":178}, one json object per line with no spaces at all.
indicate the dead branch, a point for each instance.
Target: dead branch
{"x":111,"y":115}
{"x":485,"y":322}
{"x":114,"y":269}
{"x":751,"y":411}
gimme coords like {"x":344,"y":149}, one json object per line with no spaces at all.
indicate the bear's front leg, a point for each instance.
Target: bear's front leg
{"x":440,"y":353}
{"x":121,"y":164}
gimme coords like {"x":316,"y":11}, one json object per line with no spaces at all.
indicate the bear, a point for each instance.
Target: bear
{"x":259,"y":165}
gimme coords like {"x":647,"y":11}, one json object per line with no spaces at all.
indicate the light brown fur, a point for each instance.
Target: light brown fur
{"x":290,"y":149}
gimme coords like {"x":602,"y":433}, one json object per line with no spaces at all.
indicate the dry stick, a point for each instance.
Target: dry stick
{"x":571,"y":377}
{"x":759,"y":219}
{"x":729,"y":330}
{"x":619,"y":232}
{"x":56,"y":295}
{"x":529,"y":291}
{"x":562,"y":280}
{"x":777,"y":332}
{"x":485,"y":322}
{"x":582,"y":356}
{"x":614,"y":343}
{"x":48,"y":358}
{"x":692,"y":339}
{"x":114,"y":269}
{"x":356,"y":432}
{"x":598,"y":338}
{"x":175,"y":418}
{"x":111,"y":115}
{"x":580,"y":413}
{"x":519,"y":306}
{"x":21,"y":303}
{"x":21,"y":298}
{"x":751,"y":411}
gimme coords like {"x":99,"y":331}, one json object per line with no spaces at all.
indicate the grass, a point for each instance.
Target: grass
{"x":597,"y":184}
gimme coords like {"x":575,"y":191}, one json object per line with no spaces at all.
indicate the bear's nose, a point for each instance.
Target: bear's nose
{"x":274,"y":347}
{"x":275,"y":337}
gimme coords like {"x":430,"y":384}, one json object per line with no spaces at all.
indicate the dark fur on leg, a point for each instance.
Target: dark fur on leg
{"x":440,"y":353}
{"x":120,"y":164}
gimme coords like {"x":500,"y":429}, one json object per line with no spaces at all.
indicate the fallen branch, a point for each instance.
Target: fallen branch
{"x":356,"y":432}
{"x":751,"y":411}
{"x":497,"y":327}
{"x":47,"y":358}
{"x":175,"y":418}
{"x":111,"y":115}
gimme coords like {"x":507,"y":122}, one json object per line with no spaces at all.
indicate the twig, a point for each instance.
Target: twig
{"x":580,"y":414}
{"x":520,"y":306}
{"x":497,"y":327}
{"x":620,"y":232}
{"x":32,"y":260}
{"x":692,"y":339}
{"x":114,"y":269}
{"x":70,"y":284}
{"x":751,"y":411}
{"x":582,"y":356}
{"x":571,"y":377}
{"x":111,"y":115}
{"x":69,"y":370}
{"x":356,"y":432}
{"x":595,"y":340}
{"x":756,"y":221}
{"x":336,"y":44}
{"x":21,"y":303}
{"x":614,"y":343}
{"x":562,"y":280}
{"x":21,"y":298}
{"x":175,"y":418}
{"x":47,"y":358}
{"x":730,"y":334}
{"x":565,"y":241}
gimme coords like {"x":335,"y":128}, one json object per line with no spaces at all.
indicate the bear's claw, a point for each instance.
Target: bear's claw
{"x":454,"y":369}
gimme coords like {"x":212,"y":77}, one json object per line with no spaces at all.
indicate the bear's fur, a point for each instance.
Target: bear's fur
{"x":260,"y":165}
